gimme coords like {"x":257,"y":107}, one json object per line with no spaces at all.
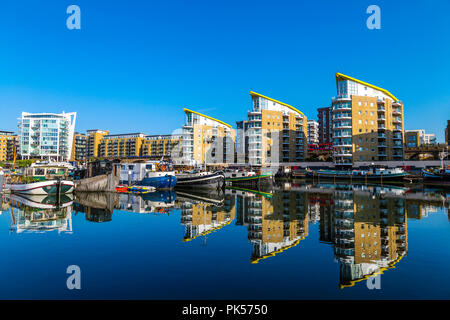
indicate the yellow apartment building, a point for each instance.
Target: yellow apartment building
{"x":162,"y":146}
{"x":368,"y":123}
{"x":121,"y":145}
{"x":79,"y":147}
{"x":7,"y":142}
{"x":94,"y":139}
{"x":276,"y":132}
{"x":206,"y":139}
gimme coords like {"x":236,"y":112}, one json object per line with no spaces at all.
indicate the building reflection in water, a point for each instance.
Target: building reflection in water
{"x":39,"y":214}
{"x":203,"y":213}
{"x":276,"y":223}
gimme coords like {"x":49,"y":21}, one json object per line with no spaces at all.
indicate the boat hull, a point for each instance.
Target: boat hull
{"x":251,"y":181}
{"x":160,"y":182}
{"x":206,"y":181}
{"x":369,"y":177}
{"x":43,"y":188}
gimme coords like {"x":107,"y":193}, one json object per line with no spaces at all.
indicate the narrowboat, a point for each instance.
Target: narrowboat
{"x":248,"y":178}
{"x":375,"y":174}
{"x":204,"y":180}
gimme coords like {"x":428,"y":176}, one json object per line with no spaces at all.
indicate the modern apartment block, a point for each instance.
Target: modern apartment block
{"x":367,"y":123}
{"x":313,"y":132}
{"x":121,"y":145}
{"x":46,"y":135}
{"x":94,"y":138}
{"x":242,"y":141}
{"x":206,"y":139}
{"x":417,"y":138}
{"x":8,"y":140}
{"x":168,"y":145}
{"x":277,"y":132}
{"x":324,"y":116}
{"x":447,"y":133}
{"x":79,"y":147}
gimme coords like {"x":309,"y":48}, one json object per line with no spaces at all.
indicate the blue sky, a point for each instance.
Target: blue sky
{"x":135,"y":64}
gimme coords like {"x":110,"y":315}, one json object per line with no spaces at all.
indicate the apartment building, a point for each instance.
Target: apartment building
{"x":324,"y":116}
{"x":447,"y":133}
{"x":277,"y":132}
{"x":46,"y":135}
{"x":417,"y":138}
{"x":94,"y":139}
{"x":206,"y":140}
{"x":313,"y":132}
{"x":8,"y":140}
{"x":79,"y":147}
{"x":126,"y":145}
{"x":367,"y":123}
{"x":168,"y":145}
{"x":242,"y":141}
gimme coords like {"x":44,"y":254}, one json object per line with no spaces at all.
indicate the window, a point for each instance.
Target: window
{"x":360,"y":121}
{"x":359,"y":103}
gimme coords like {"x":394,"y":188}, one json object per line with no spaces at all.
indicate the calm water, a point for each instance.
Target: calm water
{"x":308,"y":242}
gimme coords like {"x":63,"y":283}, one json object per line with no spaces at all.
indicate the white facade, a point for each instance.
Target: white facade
{"x":313,"y":132}
{"x":46,"y":135}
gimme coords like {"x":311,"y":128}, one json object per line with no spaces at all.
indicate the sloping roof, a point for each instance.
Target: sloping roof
{"x":343,"y":76}
{"x":191,"y":111}
{"x":252,"y":93}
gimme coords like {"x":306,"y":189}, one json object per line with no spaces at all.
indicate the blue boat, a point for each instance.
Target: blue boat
{"x":148,"y":174}
{"x":159,"y":180}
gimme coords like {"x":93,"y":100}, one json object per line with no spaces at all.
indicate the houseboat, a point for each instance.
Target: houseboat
{"x":150,"y":173}
{"x":42,"y":179}
{"x":248,"y":178}
{"x":204,"y":180}
{"x":373,"y":174}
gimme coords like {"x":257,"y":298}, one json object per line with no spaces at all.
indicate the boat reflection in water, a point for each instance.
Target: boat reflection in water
{"x":40,"y":213}
{"x":204,"y":212}
{"x":159,"y":202}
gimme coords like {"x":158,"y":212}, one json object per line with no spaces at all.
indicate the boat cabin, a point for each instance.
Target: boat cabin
{"x":47,"y":172}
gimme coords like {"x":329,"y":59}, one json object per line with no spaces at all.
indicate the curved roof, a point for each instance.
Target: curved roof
{"x":252,"y":93}
{"x":191,"y":111}
{"x":343,"y":76}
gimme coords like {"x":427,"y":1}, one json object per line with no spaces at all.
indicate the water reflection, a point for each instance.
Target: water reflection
{"x":365,"y":225}
{"x":39,"y":213}
{"x":203,"y":213}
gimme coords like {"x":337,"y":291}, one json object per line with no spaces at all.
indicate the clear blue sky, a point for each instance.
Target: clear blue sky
{"x":135,"y":64}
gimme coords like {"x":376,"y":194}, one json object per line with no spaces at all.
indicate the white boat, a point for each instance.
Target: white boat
{"x":46,"y":179}
{"x":43,"y":187}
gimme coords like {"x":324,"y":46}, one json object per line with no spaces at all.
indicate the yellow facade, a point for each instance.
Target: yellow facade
{"x":121,"y":145}
{"x":79,"y":147}
{"x":95,"y":138}
{"x":277,"y":132}
{"x":206,"y":139}
{"x":7,"y":142}
{"x":162,"y":145}
{"x":368,"y":124}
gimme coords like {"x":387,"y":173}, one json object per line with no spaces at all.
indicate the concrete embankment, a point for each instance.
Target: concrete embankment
{"x":101,"y":183}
